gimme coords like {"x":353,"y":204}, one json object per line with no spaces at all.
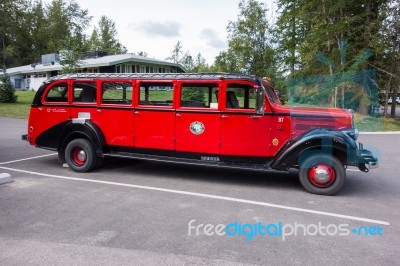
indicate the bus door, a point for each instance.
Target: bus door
{"x":154,"y":117}
{"x":197,"y":119}
{"x":115,"y":112}
{"x":243,"y":131}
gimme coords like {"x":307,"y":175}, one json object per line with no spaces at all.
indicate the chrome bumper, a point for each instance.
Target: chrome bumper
{"x":366,"y":160}
{"x":372,"y":165}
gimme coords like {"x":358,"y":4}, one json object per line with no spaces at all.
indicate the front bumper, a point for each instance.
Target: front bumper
{"x":366,"y":160}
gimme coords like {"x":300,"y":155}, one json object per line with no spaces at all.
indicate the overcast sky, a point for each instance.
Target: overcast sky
{"x":155,"y":26}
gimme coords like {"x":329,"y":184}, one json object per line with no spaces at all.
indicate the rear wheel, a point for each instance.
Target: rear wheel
{"x":322,"y":174}
{"x":80,"y":155}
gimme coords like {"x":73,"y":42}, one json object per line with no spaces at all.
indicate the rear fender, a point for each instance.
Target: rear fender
{"x":87,"y":130}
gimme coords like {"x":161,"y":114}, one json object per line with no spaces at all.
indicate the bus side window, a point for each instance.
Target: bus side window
{"x":201,"y":95}
{"x":85,"y":92}
{"x":156,"y":94}
{"x":240,"y":96}
{"x":116,"y":93}
{"x":58,"y":94}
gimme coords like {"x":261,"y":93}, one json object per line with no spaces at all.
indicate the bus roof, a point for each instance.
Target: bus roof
{"x":158,"y":76}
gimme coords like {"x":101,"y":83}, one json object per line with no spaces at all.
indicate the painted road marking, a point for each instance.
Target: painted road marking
{"x":30,"y":158}
{"x":210,"y":196}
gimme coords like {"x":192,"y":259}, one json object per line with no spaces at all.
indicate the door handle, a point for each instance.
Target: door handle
{"x":178,"y":115}
{"x":255,"y":116}
{"x":98,"y":110}
{"x":224,"y":116}
{"x":136,"y":112}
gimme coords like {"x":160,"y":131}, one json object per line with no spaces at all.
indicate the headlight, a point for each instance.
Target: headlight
{"x":352,"y":133}
{"x":352,"y":117}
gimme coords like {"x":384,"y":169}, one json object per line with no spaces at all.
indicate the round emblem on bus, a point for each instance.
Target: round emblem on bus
{"x":275,"y":142}
{"x":197,"y":128}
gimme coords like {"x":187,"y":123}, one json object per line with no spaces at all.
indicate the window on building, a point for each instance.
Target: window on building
{"x":128,"y":68}
{"x":85,"y":92}
{"x":58,"y":93}
{"x":240,"y":96}
{"x":199,"y":95}
{"x":116,"y":93}
{"x":156,"y":94}
{"x":17,"y":83}
{"x":91,"y":70}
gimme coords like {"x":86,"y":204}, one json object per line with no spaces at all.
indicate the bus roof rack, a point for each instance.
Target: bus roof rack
{"x":157,"y":76}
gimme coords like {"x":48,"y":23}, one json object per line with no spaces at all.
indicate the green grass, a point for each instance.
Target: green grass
{"x":19,"y":109}
{"x":373,"y":124}
{"x":157,"y":95}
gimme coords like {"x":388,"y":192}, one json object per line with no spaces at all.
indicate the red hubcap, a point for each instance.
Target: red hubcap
{"x":321,"y":175}
{"x":79,"y":156}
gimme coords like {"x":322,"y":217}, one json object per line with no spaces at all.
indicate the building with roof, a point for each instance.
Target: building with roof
{"x":30,"y":77}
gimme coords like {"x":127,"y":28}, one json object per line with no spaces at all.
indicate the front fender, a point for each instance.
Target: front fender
{"x":326,"y":141}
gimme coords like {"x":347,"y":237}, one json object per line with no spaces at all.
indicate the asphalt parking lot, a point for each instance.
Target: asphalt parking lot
{"x":137,"y":212}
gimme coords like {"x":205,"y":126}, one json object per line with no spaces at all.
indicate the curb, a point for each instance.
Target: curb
{"x":5,"y":178}
{"x":380,"y":133}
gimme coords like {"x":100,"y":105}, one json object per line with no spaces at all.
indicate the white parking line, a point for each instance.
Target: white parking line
{"x":259,"y":203}
{"x":30,"y":158}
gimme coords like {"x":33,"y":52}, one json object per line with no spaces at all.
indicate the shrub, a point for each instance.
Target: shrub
{"x":7,"y":92}
{"x":193,"y":94}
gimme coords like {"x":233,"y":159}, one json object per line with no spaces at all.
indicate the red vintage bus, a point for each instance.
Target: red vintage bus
{"x":213,"y":119}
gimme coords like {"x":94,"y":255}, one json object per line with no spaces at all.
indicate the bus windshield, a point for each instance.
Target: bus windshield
{"x":271,"y":93}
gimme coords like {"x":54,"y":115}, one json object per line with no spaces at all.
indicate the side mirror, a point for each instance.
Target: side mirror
{"x":260,"y":96}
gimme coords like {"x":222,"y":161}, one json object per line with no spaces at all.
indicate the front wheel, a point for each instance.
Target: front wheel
{"x":80,"y":155}
{"x":322,"y":174}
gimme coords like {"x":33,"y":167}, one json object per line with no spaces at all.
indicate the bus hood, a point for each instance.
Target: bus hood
{"x":304,"y":119}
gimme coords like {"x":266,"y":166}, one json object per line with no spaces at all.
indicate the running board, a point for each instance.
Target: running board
{"x":167,"y":159}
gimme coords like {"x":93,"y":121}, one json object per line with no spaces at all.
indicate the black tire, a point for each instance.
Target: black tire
{"x":100,"y":162}
{"x":332,"y":178}
{"x":61,"y":157}
{"x":80,"y":155}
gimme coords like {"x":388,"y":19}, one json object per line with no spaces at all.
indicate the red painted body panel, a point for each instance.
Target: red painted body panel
{"x":44,"y":117}
{"x":154,"y":129}
{"x":245,"y":134}
{"x":41,"y":118}
{"x":117,"y":125}
{"x":280,"y":132}
{"x":303,"y":119}
{"x":206,"y":140}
